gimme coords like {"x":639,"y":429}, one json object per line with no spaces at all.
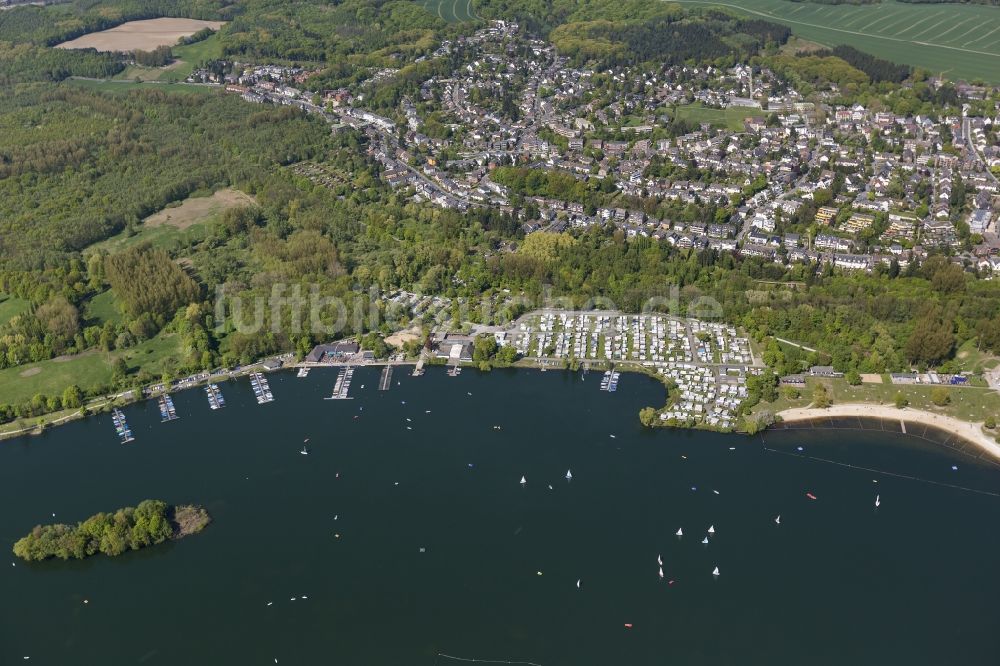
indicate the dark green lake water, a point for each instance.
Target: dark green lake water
{"x":838,"y":582}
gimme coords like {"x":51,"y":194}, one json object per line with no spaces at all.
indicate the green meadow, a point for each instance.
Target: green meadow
{"x":961,"y":41}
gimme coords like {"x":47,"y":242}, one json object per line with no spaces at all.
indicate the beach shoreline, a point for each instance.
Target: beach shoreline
{"x":972,"y":432}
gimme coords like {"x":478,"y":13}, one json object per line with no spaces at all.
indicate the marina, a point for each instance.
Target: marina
{"x":121,"y":426}
{"x":343,"y":384}
{"x":261,"y":389}
{"x":167,"y":410}
{"x":215,"y":399}
{"x":609,"y":382}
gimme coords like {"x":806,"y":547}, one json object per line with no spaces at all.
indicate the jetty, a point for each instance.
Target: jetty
{"x":215,"y":399}
{"x":385,"y":381}
{"x":342,"y":385}
{"x":121,"y":426}
{"x":167,"y":410}
{"x":609,"y":382}
{"x":454,"y":371}
{"x":258,"y":382}
{"x":303,"y":372}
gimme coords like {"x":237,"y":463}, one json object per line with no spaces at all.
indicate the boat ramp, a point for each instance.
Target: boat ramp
{"x":215,"y":399}
{"x":167,"y":410}
{"x":343,"y":384}
{"x":260,"y":388}
{"x":121,"y":426}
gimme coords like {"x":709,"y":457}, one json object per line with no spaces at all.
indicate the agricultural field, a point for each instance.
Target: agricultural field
{"x":140,"y":35}
{"x":961,"y":41}
{"x":186,"y":59}
{"x":450,"y":10}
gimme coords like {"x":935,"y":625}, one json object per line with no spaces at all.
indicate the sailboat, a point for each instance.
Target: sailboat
{"x":711,"y":529}
{"x":777,"y":521}
{"x":578,"y":583}
{"x":569,"y":475}
{"x":523,"y":481}
{"x":661,"y":573}
{"x":304,"y":451}
{"x":659,"y":560}
{"x":705,"y":541}
{"x":680,"y":532}
{"x":877,"y":502}
{"x":715,"y":572}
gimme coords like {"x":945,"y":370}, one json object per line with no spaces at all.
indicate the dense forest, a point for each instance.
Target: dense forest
{"x":131,"y":528}
{"x":877,"y":69}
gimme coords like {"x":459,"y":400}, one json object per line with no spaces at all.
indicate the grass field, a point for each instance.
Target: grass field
{"x":187,"y":58}
{"x":731,"y":118}
{"x":450,"y":10}
{"x":959,"y":40}
{"x":102,"y":308}
{"x":10,"y":307}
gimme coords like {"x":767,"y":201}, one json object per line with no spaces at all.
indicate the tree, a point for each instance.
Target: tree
{"x":901,"y":400}
{"x":940,"y":396}
{"x":72,"y":397}
{"x":821,"y":397}
{"x":853,"y":378}
{"x":648,"y":416}
{"x":990,"y":422}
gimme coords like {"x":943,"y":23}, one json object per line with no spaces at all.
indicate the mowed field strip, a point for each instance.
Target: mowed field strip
{"x":962,"y":41}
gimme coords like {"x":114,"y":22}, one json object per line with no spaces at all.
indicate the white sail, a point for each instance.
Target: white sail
{"x":523,"y":480}
{"x":777,"y":520}
{"x":569,"y":475}
{"x":661,"y":572}
{"x":715,"y":572}
{"x":705,"y":540}
{"x":711,"y":529}
{"x":877,"y":501}
{"x":659,"y":560}
{"x":680,"y":532}
{"x":578,"y":583}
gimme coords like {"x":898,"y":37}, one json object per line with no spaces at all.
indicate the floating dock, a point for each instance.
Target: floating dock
{"x":343,"y":384}
{"x":455,"y":371}
{"x":609,"y":382}
{"x":303,"y":372}
{"x":167,"y":410}
{"x":385,"y":381}
{"x":261,"y":390}
{"x":121,"y":426}
{"x":215,"y":399}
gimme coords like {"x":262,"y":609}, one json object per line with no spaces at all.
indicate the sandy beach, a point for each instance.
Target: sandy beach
{"x":972,"y":432}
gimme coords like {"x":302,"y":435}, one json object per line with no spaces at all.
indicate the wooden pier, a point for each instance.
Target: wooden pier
{"x":385,"y":381}
{"x":343,"y":384}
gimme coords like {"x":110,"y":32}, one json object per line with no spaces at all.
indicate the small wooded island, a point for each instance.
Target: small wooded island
{"x":131,"y":528}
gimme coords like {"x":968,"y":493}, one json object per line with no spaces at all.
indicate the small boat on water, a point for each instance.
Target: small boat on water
{"x":569,"y":475}
{"x":661,"y":573}
{"x":578,"y":583}
{"x":680,"y":531}
{"x":304,"y":451}
{"x":810,"y":496}
{"x":715,"y":571}
{"x":524,"y":481}
{"x":711,"y":529}
{"x":659,"y":560}
{"x":777,"y":521}
{"x":705,"y":541}
{"x":877,"y":501}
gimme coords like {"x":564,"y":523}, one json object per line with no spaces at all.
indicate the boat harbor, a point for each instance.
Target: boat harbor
{"x":260,"y":388}
{"x":609,"y":382}
{"x":121,"y":426}
{"x":215,"y":399}
{"x":167,"y":410}
{"x":343,"y":384}
{"x":385,"y":381}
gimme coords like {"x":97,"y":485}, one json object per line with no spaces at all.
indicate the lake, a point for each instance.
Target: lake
{"x":435,"y":464}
